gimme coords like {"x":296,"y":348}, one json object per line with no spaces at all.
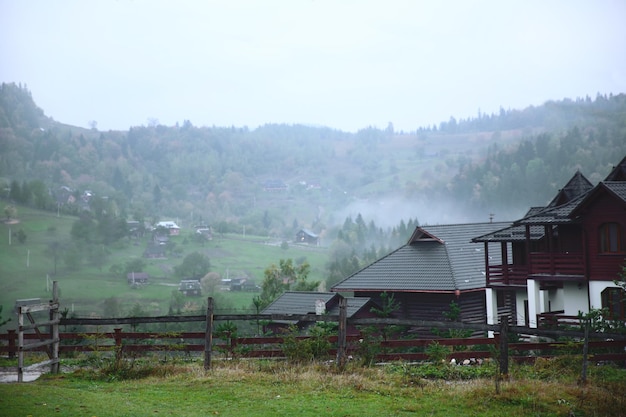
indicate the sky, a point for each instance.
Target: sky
{"x":344,"y":64}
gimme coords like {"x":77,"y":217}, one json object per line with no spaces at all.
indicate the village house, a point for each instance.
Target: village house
{"x":307,"y":236}
{"x":170,"y":226}
{"x":437,"y":266}
{"x":562,"y":259}
{"x":137,"y":278}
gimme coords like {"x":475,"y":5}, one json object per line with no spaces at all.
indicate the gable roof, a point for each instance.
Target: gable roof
{"x":297,"y":302}
{"x":618,"y":173}
{"x":616,"y":189}
{"x":438,"y":258}
{"x":303,"y":302}
{"x":564,"y":208}
{"x":307,"y":232}
{"x":578,"y":185}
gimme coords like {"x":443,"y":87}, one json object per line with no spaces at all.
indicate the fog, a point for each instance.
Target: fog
{"x":389,"y":211}
{"x":343,"y":64}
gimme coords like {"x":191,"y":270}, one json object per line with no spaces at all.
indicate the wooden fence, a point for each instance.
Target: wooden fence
{"x":601,"y":346}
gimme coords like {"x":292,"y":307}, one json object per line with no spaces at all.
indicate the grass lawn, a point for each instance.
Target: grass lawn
{"x":266,"y":388}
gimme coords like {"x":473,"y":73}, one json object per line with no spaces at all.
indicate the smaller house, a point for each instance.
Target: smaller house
{"x":307,"y":236}
{"x":172,"y":227}
{"x":65,"y":195}
{"x":135,"y":228}
{"x":299,"y":303}
{"x":190,"y":287}
{"x":137,"y":278}
{"x":204,"y":231}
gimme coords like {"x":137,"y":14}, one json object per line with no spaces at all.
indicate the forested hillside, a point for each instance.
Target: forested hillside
{"x":278,"y":178}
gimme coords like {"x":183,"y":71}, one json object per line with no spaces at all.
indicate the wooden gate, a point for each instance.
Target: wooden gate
{"x":50,"y":339}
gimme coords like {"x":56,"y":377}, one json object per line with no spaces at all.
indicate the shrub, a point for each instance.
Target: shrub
{"x":314,"y":347}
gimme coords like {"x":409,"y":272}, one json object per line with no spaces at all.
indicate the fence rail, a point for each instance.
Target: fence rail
{"x":343,"y":345}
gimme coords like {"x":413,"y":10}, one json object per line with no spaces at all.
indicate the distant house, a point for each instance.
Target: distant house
{"x":172,"y":227}
{"x":562,"y":259}
{"x":190,"y":287}
{"x":137,"y":278}
{"x":65,"y":195}
{"x":135,"y":228}
{"x":438,"y":265}
{"x":274,"y":185}
{"x":307,"y":236}
{"x":205,"y":231}
{"x":160,"y":239}
{"x":301,"y":303}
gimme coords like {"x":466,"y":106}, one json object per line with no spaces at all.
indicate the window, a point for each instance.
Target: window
{"x":614,"y":300}
{"x":611,"y":238}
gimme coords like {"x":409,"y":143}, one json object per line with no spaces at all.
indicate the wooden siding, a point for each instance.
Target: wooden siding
{"x":603,"y":266}
{"x":570,"y":238}
{"x":432,"y":306}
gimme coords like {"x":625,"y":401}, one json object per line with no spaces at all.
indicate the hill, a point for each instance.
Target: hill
{"x":76,"y":188}
{"x":457,"y":171}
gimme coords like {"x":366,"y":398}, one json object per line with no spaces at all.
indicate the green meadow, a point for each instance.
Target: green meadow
{"x":277,"y":388}
{"x":27,"y":269}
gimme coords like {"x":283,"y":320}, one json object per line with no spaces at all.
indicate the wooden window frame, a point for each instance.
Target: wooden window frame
{"x":614,"y":300}
{"x":611,"y":238}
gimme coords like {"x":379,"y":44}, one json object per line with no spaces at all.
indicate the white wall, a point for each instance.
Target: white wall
{"x":575,"y":298}
{"x":492,"y":306}
{"x":520,"y":296}
{"x":557,"y":300}
{"x":596,"y":288}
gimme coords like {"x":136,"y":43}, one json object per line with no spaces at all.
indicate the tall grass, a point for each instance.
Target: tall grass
{"x":278,"y":388}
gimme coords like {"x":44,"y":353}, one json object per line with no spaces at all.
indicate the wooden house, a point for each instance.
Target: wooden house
{"x":172,"y":228}
{"x":438,"y":265}
{"x":562,"y":259}
{"x":137,"y":278}
{"x":307,"y":236}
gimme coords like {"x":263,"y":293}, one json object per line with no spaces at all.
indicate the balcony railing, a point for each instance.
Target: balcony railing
{"x":551,"y":264}
{"x":507,"y":275}
{"x":557,"y":264}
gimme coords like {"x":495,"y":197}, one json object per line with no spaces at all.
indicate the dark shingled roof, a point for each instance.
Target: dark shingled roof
{"x":618,"y":173}
{"x":438,"y":258}
{"x":562,"y":209}
{"x":578,"y":185}
{"x":297,"y":302}
{"x":303,"y":302}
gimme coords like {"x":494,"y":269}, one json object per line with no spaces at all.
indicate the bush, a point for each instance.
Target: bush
{"x":314,"y":347}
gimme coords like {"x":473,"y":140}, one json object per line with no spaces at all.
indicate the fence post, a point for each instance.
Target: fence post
{"x":208,"y":335}
{"x":12,"y":345}
{"x":117,"y":335}
{"x":342,"y":333}
{"x":54,"y":315}
{"x":504,"y":345}
{"x":20,"y":344}
{"x":583,"y":376}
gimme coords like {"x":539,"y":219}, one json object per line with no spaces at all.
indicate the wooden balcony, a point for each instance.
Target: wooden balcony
{"x":568,"y":264}
{"x":555,"y":265}
{"x":507,"y":275}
